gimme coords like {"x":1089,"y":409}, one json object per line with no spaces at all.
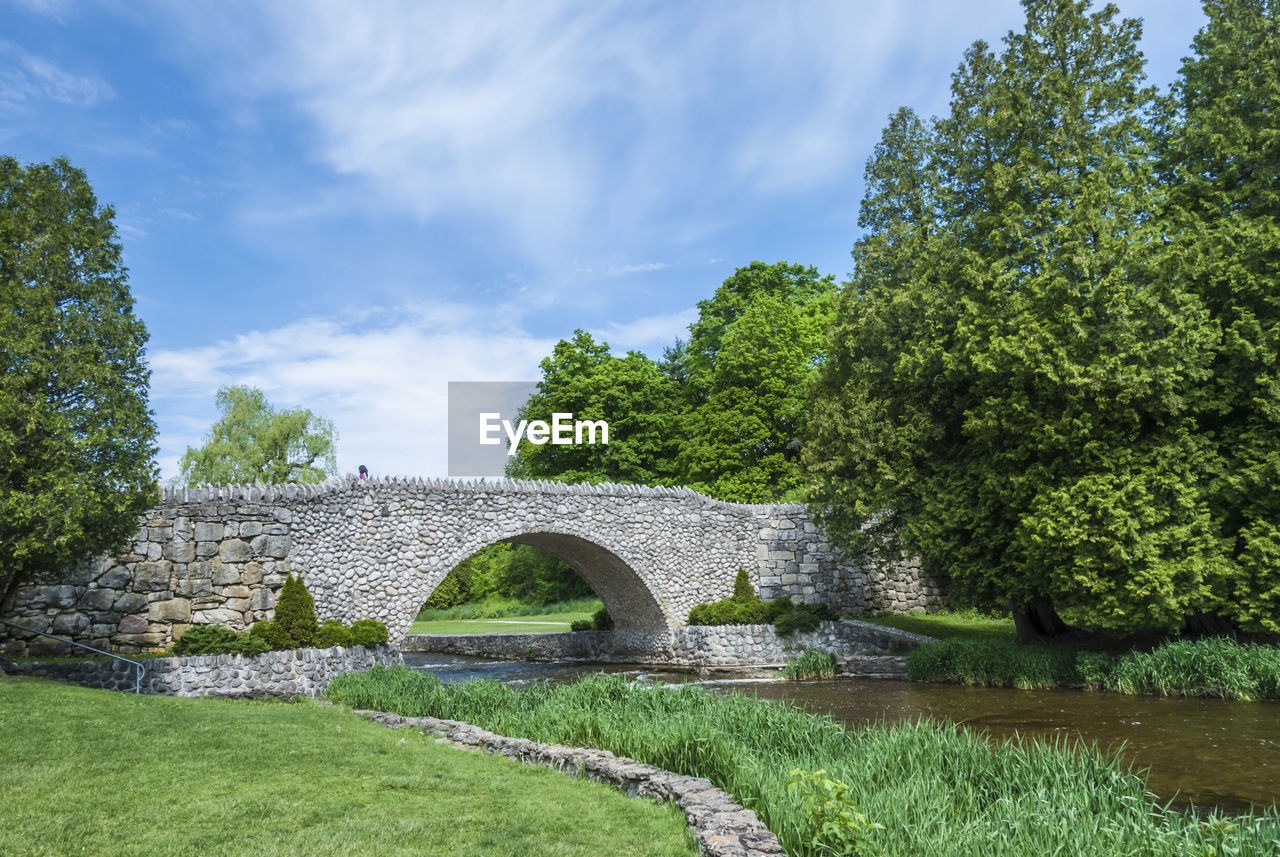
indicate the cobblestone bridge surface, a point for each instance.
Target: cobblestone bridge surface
{"x":378,"y":548}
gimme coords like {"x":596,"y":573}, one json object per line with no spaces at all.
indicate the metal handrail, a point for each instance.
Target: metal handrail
{"x":138,"y":665}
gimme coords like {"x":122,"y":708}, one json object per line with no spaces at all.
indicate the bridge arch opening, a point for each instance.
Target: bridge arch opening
{"x":630,"y":602}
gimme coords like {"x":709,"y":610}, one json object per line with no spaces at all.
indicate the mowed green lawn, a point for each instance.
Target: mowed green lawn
{"x":107,"y":774}
{"x":508,"y":624}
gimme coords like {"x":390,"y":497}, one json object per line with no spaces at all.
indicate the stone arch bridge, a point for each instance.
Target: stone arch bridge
{"x":377,"y":548}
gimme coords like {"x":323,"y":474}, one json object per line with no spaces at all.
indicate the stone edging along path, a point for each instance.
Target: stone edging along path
{"x":723,"y":828}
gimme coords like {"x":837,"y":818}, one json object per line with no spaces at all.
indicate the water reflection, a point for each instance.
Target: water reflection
{"x":1208,"y":751}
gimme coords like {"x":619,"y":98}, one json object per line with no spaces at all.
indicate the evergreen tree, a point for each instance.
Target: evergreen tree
{"x":76,"y":438}
{"x":1220,"y":156}
{"x":1013,"y":371}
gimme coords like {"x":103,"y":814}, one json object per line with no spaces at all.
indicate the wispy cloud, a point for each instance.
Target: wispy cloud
{"x":380,"y":374}
{"x":28,"y":79}
{"x":649,"y":334}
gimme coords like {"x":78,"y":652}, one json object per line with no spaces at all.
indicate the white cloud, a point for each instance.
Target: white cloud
{"x":26,"y":78}
{"x":380,"y":374}
{"x":582,"y":129}
{"x":649,"y":334}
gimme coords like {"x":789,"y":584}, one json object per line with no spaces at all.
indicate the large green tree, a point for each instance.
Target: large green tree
{"x":1011,"y":387}
{"x":1221,"y":161}
{"x":76,"y":437}
{"x":255,"y":442}
{"x":630,"y":393}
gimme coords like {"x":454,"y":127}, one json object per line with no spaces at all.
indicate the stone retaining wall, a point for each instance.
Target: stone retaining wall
{"x":695,"y":646}
{"x":723,"y":827}
{"x":303,"y":672}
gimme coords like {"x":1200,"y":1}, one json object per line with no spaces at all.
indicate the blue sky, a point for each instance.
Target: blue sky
{"x":351,"y":204}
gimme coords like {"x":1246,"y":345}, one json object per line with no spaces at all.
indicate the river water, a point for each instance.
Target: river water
{"x":1205,"y":751}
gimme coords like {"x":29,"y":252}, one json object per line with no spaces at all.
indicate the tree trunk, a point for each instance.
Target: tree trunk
{"x":1037,"y":622}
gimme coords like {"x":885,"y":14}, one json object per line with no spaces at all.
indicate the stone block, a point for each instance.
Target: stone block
{"x":133,"y":624}
{"x":234,"y":550}
{"x":151,"y":576}
{"x":236,"y":591}
{"x":206,"y":550}
{"x":130,"y":602}
{"x":152,"y":640}
{"x":208,"y":531}
{"x":70,"y":624}
{"x":248,"y":529}
{"x":180,"y":551}
{"x":192,"y":587}
{"x":228,"y":575}
{"x":262,"y":599}
{"x":98,"y":599}
{"x":173,"y":610}
{"x":219,"y":616}
{"x":117,"y":577}
{"x":276,"y":547}
{"x":251,"y":573}
{"x":183,"y":531}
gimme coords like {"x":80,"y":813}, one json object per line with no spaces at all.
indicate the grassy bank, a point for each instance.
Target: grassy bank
{"x":504,"y":616}
{"x":936,"y":791}
{"x":967,"y":624}
{"x":102,"y":773}
{"x":1211,"y":667}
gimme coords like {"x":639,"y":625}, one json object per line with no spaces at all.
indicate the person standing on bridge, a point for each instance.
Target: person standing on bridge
{"x":364,"y":472}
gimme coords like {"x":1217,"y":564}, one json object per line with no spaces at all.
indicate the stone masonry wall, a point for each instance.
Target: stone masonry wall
{"x":378,"y":548}
{"x":304,"y":672}
{"x":695,"y":646}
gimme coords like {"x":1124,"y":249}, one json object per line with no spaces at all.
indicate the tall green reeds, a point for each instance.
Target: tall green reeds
{"x":937,"y":791}
{"x":1210,"y":667}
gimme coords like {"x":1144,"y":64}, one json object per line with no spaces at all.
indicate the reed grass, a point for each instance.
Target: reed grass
{"x":1217,"y":667}
{"x":810,"y":665}
{"x":937,"y":790}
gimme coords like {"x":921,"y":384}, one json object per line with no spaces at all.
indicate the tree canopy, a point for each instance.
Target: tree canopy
{"x":1014,"y":381}
{"x":717,"y":413}
{"x":255,"y":442}
{"x":76,"y":437}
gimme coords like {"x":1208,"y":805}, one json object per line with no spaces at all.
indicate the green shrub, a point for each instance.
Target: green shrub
{"x":296,"y":613}
{"x":368,"y":632}
{"x":272,"y":635}
{"x":332,"y":633}
{"x":812,"y":664}
{"x":833,"y":823}
{"x":217,"y":640}
{"x":745,"y":608}
{"x":801,"y":617}
{"x":582,"y":625}
{"x":602,"y":620}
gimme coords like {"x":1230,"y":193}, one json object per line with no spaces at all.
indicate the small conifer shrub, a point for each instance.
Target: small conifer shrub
{"x":332,"y":633}
{"x":296,"y":613}
{"x":368,"y":632}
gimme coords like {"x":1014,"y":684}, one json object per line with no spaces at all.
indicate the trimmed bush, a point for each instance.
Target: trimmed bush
{"x":745,"y":608}
{"x":272,"y":634}
{"x":599,"y":621}
{"x":368,"y":632}
{"x":801,"y":617}
{"x":332,"y":633}
{"x":743,"y":591}
{"x":296,"y":613}
{"x":217,"y":640}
